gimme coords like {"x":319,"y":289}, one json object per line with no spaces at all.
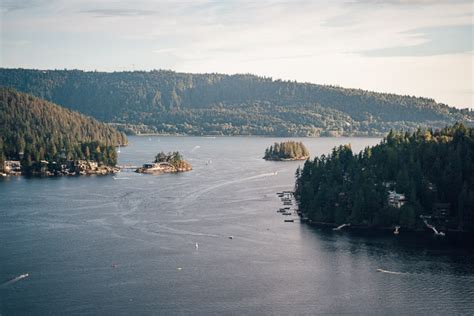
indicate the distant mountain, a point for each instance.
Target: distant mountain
{"x":34,"y":130}
{"x":216,"y":104}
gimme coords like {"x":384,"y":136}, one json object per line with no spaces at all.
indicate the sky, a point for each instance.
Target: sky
{"x":410,"y":47}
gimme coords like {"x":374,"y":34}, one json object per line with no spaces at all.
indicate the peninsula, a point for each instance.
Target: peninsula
{"x":39,"y":138}
{"x":172,"y":103}
{"x":418,"y":181}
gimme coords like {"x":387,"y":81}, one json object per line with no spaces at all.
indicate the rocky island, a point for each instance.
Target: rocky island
{"x":166,"y":163}
{"x":287,"y":151}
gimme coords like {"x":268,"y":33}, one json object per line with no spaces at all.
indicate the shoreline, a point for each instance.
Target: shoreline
{"x":286,"y":159}
{"x":260,"y":136}
{"x":381,"y":229}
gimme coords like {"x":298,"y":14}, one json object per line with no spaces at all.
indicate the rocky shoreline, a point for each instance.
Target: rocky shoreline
{"x":163,"y":169}
{"x":54,"y":169}
{"x":287,"y":159}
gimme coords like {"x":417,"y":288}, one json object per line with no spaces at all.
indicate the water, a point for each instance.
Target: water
{"x":127,"y":245}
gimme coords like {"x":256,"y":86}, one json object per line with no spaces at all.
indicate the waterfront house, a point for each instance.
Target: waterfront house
{"x":395,"y":199}
{"x":12,"y":167}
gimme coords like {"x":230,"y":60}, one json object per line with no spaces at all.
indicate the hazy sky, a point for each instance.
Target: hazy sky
{"x":415,"y":47}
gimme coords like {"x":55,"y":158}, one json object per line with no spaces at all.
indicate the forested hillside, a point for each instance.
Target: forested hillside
{"x":197,"y":104}
{"x":32,"y":130}
{"x":429,"y":173}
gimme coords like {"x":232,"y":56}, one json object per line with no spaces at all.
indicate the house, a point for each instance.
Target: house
{"x":158,"y":167}
{"x":12,"y":167}
{"x":395,"y":199}
{"x":84,"y":165}
{"x":93,"y":165}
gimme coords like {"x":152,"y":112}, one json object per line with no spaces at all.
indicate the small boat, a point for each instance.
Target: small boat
{"x":341,"y":227}
{"x":396,"y":231}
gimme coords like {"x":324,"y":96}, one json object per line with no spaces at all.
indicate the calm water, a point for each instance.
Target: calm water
{"x":127,"y":245}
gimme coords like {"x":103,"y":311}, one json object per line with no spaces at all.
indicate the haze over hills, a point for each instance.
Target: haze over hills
{"x":217,"y":104}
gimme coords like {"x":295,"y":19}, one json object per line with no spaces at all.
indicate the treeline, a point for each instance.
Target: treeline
{"x":286,"y":150}
{"x":33,"y":130}
{"x":431,"y":168}
{"x":215,"y":104}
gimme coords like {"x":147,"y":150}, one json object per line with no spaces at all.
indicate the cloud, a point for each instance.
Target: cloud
{"x":118,"y":12}
{"x":414,"y":2}
{"x":437,"y":41}
{"x":308,"y":40}
{"x":16,"y":5}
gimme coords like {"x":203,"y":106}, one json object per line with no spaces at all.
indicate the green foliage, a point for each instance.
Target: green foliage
{"x":169,"y":157}
{"x":175,"y":158}
{"x":286,"y":150}
{"x":32,"y":130}
{"x":214,"y":104}
{"x":428,"y":166}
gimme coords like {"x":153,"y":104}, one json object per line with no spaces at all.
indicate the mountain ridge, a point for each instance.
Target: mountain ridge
{"x":241,"y":104}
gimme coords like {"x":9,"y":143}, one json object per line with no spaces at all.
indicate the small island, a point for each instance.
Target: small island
{"x":287,"y":151}
{"x":166,"y":163}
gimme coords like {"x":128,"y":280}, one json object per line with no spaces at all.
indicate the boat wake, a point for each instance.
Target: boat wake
{"x":18,"y":278}
{"x":389,"y":272}
{"x":193,"y":196}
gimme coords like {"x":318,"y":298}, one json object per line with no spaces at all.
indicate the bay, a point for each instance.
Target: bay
{"x":144,"y":244}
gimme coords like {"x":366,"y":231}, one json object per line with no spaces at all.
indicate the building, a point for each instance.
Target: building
{"x":84,"y":165}
{"x":158,"y":167}
{"x":395,"y":199}
{"x":12,"y":167}
{"x":150,"y":165}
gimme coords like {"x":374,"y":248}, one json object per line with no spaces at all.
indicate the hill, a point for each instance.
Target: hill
{"x":34,"y":130}
{"x":216,"y":104}
{"x":408,"y":180}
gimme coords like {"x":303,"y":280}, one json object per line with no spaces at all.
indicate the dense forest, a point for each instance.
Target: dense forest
{"x":215,"y":104}
{"x":432,"y":172}
{"x":289,"y":150}
{"x":34,"y":130}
